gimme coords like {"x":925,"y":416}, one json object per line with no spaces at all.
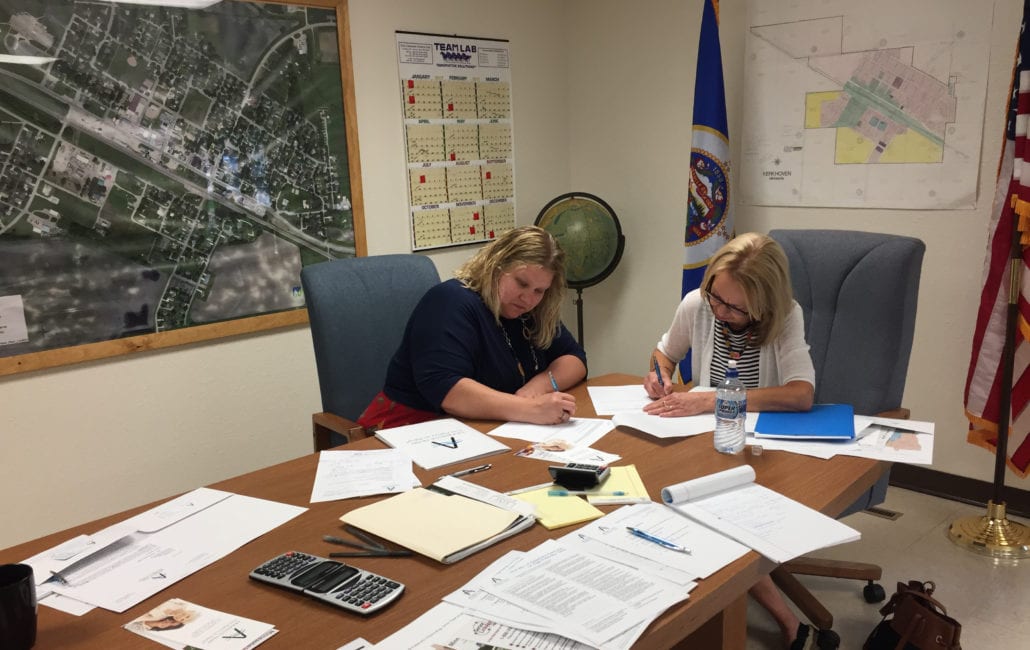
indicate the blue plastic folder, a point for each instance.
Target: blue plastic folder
{"x":823,"y":422}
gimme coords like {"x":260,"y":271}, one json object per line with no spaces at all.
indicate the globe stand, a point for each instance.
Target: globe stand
{"x":579,"y":316}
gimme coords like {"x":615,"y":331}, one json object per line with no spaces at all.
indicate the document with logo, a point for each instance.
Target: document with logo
{"x":441,"y":442}
{"x":776,"y":526}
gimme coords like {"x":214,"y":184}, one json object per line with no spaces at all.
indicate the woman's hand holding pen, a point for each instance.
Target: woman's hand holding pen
{"x":657,"y":383}
{"x":551,"y":408}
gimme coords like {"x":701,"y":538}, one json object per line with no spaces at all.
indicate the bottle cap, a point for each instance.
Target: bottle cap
{"x":732,"y":363}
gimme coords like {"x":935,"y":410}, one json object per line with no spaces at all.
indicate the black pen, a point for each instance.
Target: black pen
{"x":472,"y":470}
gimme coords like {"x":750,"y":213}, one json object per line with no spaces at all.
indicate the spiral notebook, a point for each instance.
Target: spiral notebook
{"x":778,"y":527}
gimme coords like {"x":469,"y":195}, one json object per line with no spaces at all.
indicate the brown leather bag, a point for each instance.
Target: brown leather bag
{"x":918,"y":622}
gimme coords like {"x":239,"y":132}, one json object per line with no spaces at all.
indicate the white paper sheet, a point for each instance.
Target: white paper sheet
{"x":609,"y":400}
{"x":678,"y":427}
{"x":346,"y":474}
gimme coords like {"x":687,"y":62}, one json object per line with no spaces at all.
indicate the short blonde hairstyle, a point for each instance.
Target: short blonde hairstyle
{"x":758,"y":264}
{"x":523,"y":246}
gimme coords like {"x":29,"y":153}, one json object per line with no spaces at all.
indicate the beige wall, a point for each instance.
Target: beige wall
{"x":602,"y":93}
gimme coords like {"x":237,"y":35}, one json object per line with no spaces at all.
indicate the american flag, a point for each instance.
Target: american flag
{"x":984,"y":383}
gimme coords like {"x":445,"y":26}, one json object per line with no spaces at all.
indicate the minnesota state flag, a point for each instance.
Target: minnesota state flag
{"x":709,"y":222}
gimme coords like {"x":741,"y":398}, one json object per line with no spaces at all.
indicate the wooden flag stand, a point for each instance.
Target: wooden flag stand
{"x":993,"y":534}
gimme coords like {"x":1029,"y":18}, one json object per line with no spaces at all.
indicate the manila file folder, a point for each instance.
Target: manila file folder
{"x":444,"y":527}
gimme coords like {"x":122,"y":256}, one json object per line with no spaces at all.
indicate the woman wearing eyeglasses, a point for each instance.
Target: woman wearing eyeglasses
{"x":745,"y":311}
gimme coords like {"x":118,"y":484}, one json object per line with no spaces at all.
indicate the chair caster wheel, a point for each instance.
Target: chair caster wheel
{"x":873,"y":593}
{"x":827,"y":640}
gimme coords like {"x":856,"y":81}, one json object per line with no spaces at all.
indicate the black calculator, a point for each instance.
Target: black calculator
{"x":579,"y":476}
{"x":329,"y":581}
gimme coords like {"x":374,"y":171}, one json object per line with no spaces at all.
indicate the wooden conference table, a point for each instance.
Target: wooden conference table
{"x":713,"y":616}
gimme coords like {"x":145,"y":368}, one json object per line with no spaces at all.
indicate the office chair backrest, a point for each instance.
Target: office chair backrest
{"x":858,"y":291}
{"x":358,"y":308}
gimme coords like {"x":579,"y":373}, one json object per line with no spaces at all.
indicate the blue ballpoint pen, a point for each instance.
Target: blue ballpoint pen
{"x":658,"y":540}
{"x":554,"y":384}
{"x":658,"y":371}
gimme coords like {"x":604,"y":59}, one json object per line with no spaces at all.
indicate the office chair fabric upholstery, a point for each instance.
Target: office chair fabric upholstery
{"x":858,"y":292}
{"x":358,"y":308}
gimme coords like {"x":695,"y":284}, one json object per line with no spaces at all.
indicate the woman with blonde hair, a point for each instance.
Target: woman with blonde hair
{"x":744,"y":311}
{"x":488,"y":344}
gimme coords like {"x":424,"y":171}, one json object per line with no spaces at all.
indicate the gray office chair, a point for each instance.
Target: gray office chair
{"x":858,"y":291}
{"x":358,"y":308}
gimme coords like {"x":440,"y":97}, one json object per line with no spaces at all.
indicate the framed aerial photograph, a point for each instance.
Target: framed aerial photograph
{"x":166,"y":171}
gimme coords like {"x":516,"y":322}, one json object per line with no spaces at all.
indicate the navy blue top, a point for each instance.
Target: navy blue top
{"x":452,"y":334}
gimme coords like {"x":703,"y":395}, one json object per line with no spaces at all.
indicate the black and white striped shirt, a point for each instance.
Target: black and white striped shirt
{"x":724,"y":340}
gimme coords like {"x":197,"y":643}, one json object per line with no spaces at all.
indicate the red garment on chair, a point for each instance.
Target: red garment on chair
{"x":385,"y":413}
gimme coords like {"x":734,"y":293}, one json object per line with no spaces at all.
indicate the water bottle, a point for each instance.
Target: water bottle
{"x":730,"y":411}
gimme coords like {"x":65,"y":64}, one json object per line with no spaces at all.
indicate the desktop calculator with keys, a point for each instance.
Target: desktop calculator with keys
{"x":329,"y":581}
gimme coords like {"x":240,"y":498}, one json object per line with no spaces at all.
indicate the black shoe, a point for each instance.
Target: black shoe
{"x":801,"y":640}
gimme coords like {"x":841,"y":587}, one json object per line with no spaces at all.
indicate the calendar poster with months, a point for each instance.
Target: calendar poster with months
{"x":456,"y":97}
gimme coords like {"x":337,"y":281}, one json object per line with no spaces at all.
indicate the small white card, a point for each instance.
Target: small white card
{"x":181,"y":624}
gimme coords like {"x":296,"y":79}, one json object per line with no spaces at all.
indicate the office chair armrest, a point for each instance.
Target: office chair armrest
{"x":899,"y":413}
{"x":323,"y":424}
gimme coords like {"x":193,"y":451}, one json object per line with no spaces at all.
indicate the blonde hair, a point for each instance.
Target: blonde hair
{"x":758,"y":264}
{"x":523,"y":246}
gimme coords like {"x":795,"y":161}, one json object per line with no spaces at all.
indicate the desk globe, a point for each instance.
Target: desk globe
{"x":590,"y":234}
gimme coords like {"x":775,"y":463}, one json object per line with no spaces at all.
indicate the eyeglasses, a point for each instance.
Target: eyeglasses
{"x":715,"y":301}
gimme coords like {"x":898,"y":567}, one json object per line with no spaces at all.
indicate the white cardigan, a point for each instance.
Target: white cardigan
{"x":781,"y":361}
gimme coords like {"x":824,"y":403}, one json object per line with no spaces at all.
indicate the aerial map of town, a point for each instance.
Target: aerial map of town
{"x":162,"y":168}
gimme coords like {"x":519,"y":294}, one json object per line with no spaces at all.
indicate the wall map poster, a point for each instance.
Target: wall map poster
{"x":164,"y":168}
{"x":456,"y":97}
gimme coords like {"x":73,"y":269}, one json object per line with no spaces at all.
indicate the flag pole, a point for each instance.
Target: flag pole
{"x":993,"y":534}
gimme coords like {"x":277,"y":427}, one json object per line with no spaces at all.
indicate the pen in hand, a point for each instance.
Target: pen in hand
{"x":554,"y":383}
{"x":657,"y":540}
{"x":658,"y":371}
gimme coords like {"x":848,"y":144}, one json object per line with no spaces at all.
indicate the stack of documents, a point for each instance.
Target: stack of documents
{"x":124,"y":564}
{"x":598,"y":587}
{"x":889,"y":439}
{"x":180,"y":624}
{"x":442,"y":523}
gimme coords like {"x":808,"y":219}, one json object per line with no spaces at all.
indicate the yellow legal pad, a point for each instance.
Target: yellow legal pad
{"x":624,"y":479}
{"x":555,"y":512}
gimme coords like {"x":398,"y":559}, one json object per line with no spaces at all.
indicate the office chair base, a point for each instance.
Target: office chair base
{"x":873,"y":593}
